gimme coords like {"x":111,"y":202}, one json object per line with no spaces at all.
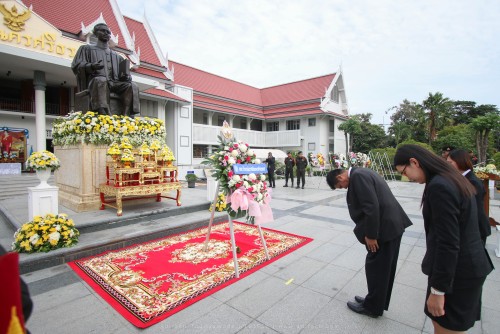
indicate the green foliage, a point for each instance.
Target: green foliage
{"x":390,"y":151}
{"x":496,"y":159}
{"x":373,"y":136}
{"x":439,"y":110}
{"x":414,"y":142}
{"x":459,"y":136}
{"x":191,"y":177}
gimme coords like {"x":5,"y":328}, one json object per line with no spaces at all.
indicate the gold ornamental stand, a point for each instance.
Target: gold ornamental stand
{"x":231,"y":232}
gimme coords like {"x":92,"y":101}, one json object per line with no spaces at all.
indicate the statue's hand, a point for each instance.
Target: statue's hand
{"x":97,"y":66}
{"x":125,"y":77}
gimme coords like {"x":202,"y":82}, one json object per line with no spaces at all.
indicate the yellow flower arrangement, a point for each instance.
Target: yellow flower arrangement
{"x":43,"y":160}
{"x":92,"y":128}
{"x":127,"y":155}
{"x":44,"y":234}
{"x":220,"y":205}
{"x":125,"y":144}
{"x":114,"y":149}
{"x":144,"y":149}
{"x":166,"y":154}
{"x":155,"y":145}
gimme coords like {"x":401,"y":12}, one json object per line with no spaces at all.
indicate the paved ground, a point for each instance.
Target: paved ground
{"x":326,"y":274}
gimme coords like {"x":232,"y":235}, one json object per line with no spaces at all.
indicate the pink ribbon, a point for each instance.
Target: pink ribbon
{"x":244,"y":200}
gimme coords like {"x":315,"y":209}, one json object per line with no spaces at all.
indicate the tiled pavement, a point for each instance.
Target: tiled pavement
{"x":326,"y":273}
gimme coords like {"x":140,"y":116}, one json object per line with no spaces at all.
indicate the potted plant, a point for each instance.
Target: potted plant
{"x":191,"y":179}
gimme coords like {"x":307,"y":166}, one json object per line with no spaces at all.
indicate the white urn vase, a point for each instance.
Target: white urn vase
{"x":43,"y":175}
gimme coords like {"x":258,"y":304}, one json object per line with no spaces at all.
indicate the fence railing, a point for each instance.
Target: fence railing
{"x":28,"y":106}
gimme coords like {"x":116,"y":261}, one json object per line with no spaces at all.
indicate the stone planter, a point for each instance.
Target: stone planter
{"x":43,"y":175}
{"x":83,"y":169}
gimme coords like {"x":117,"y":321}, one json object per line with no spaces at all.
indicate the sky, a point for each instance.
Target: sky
{"x":388,"y":50}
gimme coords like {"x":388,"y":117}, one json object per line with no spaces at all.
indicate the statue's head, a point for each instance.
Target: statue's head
{"x":102,"y":32}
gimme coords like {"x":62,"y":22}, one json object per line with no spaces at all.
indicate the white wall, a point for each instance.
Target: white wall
{"x":184,"y":127}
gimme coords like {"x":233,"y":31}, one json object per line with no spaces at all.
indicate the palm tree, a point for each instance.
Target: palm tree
{"x":350,"y":127}
{"x":483,"y":125}
{"x":438,"y":108}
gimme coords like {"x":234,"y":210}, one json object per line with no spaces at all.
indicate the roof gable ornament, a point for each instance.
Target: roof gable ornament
{"x":135,"y":56}
{"x":87,"y":31}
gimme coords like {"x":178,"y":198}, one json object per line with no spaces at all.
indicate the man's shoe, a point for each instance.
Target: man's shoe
{"x":297,"y":187}
{"x":359,"y":308}
{"x":359,"y":299}
{"x":286,"y":185}
{"x":302,"y":187}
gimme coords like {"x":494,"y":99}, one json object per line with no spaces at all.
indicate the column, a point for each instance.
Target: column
{"x":40,"y":84}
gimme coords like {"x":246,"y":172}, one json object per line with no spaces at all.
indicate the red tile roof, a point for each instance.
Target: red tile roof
{"x":148,"y":72}
{"x":304,"y":90}
{"x":164,"y":93}
{"x":212,"y":84}
{"x":68,"y":15}
{"x":214,"y":89}
{"x":142,"y":41}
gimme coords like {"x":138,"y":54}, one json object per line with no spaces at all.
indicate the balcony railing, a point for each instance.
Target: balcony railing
{"x":28,"y":106}
{"x":207,"y":135}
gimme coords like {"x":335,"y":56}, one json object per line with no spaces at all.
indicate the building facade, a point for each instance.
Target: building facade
{"x":38,"y":40}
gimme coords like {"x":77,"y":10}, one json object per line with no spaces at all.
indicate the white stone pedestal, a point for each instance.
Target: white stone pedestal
{"x":42,"y":201}
{"x":211,"y":189}
{"x":497,"y":250}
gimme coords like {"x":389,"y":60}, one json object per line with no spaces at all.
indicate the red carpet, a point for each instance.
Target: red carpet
{"x":149,"y":282}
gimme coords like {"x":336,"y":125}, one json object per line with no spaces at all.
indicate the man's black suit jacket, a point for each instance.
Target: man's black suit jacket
{"x":373,"y":208}
{"x":454,"y":248}
{"x":484,"y":222}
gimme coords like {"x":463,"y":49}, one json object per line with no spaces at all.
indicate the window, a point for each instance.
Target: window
{"x":220,"y":120}
{"x":273,"y":126}
{"x":311,"y":147}
{"x":331,"y":126}
{"x":200,"y":151}
{"x":205,"y":119}
{"x":294,"y":124}
{"x":312,"y":121}
{"x":335,"y":94}
{"x":185,"y":112}
{"x":243,"y":124}
{"x":331,"y":145}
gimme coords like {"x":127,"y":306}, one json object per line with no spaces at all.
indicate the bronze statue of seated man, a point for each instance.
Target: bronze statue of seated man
{"x":101,"y":71}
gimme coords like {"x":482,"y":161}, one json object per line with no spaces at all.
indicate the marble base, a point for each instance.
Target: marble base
{"x":83,"y":169}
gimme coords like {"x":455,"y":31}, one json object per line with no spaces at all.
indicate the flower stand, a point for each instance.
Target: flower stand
{"x":231,"y":232}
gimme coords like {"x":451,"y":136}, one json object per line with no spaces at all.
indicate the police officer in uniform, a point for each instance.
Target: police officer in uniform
{"x":301,"y":163}
{"x":271,"y":165}
{"x":289,"y":163}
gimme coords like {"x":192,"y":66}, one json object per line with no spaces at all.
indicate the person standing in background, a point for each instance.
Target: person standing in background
{"x":460,"y":159}
{"x":271,"y":165}
{"x":289,"y":164}
{"x":301,"y":163}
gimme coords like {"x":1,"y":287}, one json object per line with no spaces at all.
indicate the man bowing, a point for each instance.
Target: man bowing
{"x":380,"y":223}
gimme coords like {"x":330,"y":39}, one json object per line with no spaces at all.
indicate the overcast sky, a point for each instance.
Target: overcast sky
{"x":389,"y":50}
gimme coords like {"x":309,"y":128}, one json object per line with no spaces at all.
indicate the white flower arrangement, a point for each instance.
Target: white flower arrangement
{"x":232,"y":152}
{"x":41,"y":160}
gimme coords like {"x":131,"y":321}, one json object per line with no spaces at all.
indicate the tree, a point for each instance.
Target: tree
{"x":408,"y":122}
{"x":483,"y":126}
{"x":438,"y":113}
{"x":350,"y":127}
{"x":463,"y":111}
{"x":373,"y":135}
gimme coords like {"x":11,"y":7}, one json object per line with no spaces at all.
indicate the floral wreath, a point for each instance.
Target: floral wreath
{"x":248,"y":194}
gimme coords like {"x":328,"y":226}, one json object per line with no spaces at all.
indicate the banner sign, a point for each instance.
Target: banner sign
{"x":250,"y":168}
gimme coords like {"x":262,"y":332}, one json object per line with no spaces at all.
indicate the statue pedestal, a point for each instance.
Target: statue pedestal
{"x":42,"y":200}
{"x":83,"y":169}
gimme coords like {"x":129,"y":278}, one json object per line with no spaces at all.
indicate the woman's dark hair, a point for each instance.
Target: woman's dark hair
{"x":432,"y":165}
{"x":462,"y":159}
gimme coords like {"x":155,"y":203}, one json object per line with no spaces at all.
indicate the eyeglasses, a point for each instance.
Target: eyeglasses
{"x":403,"y":171}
